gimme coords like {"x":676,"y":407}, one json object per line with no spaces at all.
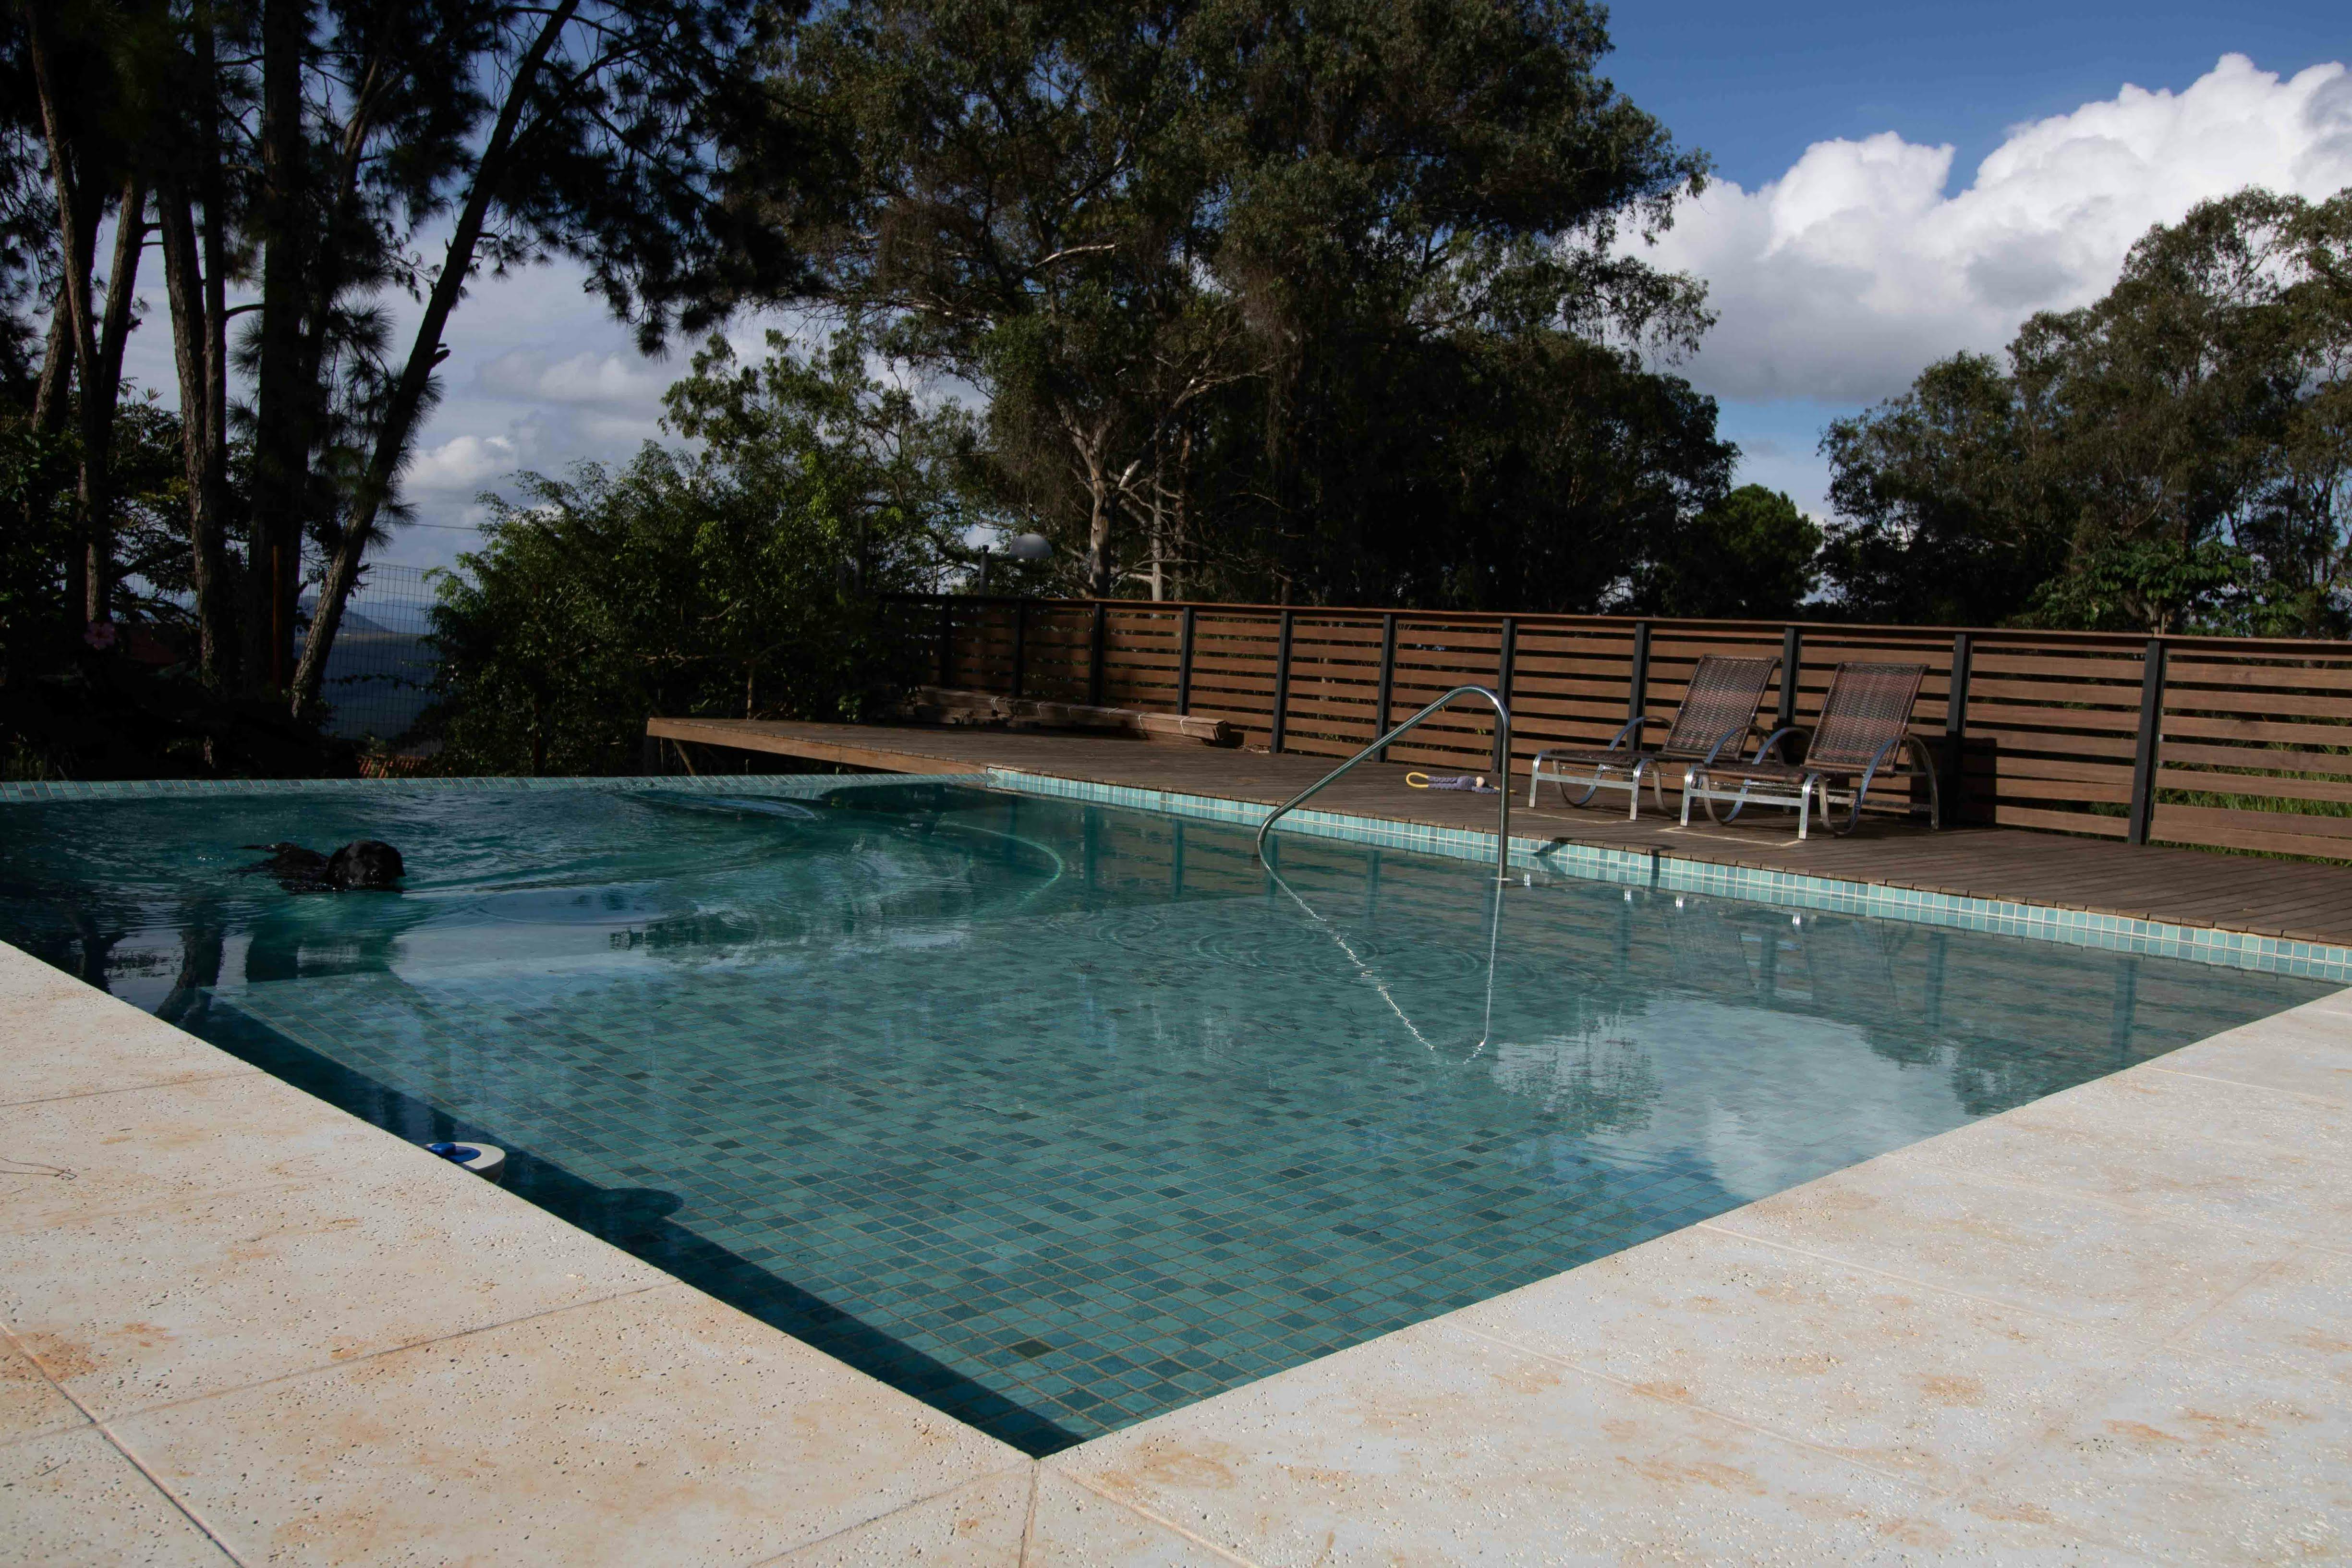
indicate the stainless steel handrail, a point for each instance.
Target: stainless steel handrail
{"x":1503,"y":745}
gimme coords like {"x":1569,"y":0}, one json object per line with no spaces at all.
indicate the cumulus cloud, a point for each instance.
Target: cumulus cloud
{"x":463,"y":463}
{"x":1845,"y":277}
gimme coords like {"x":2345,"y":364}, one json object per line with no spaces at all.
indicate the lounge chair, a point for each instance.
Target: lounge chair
{"x":1718,"y":710}
{"x":1863,"y":728}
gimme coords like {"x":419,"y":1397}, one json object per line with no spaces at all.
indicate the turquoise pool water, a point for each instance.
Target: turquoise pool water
{"x":1055,"y":1115}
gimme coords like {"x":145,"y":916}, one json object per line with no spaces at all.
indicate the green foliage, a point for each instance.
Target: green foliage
{"x":1750,"y":556}
{"x":2142,"y":585}
{"x":737,"y":581}
{"x":36,"y":531}
{"x":1314,"y":303}
{"x":2176,"y":456}
{"x":1941,"y":519}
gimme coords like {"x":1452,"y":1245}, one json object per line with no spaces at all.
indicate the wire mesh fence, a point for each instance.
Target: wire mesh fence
{"x":381,"y":667}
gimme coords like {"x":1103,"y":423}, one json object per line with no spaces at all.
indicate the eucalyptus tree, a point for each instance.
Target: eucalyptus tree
{"x":1240,"y":279}
{"x":2178,"y":453}
{"x":1421,"y":212}
{"x":1018,"y":206}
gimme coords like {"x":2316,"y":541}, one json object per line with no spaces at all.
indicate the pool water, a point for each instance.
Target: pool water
{"x":1060,"y":1116}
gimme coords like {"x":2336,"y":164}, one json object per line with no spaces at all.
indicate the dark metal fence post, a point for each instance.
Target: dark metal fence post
{"x":1792,"y":654}
{"x":1387,"y":682}
{"x":2144,"y":761}
{"x":1509,"y":656}
{"x":1637,"y":687}
{"x":1956,"y":732}
{"x":1281,"y":685}
{"x":1094,"y":659}
{"x":1185,"y":661}
{"x":1020,"y":645}
{"x":946,"y":640}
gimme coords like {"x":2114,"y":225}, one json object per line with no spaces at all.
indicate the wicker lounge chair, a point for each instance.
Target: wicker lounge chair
{"x":1718,"y":710}
{"x":1863,"y":729}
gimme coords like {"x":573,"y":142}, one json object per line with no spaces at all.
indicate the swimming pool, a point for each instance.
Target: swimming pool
{"x":1056,"y":1115}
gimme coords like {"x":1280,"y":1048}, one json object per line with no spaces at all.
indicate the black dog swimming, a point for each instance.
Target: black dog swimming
{"x":365,"y":863}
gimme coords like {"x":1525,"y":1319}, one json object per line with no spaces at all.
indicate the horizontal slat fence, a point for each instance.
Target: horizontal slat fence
{"x":2234,"y":743}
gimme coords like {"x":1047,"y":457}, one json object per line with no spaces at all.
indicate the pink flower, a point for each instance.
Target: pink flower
{"x":100,"y":634}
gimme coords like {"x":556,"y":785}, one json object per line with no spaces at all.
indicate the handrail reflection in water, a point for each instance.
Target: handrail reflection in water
{"x":1494,"y":939}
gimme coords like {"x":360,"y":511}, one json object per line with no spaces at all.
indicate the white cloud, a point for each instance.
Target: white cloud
{"x":464,"y":463}
{"x":1849,"y":274}
{"x":621,"y":377}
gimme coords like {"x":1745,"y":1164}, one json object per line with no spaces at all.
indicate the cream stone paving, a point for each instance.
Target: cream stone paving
{"x":619,"y":1432}
{"x":2107,"y":1327}
{"x":2302,"y":1052}
{"x":977,"y":1526}
{"x":30,"y":1405}
{"x":2197,"y":1459}
{"x":2272,"y":1162}
{"x":65,"y":1038}
{"x":1075,"y":1527}
{"x":1915,"y":1382}
{"x":2062,"y":1254}
{"x":262,"y":1279}
{"x":71,"y":1500}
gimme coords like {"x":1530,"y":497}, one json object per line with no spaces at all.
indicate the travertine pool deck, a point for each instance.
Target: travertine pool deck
{"x":2110,"y":1326}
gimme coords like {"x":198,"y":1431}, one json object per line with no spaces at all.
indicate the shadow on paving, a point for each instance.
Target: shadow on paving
{"x":635,"y":1219}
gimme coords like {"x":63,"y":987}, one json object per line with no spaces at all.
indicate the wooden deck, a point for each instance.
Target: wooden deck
{"x":2304,"y":901}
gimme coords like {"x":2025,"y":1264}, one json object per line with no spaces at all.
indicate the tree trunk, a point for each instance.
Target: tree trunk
{"x":425,"y":352}
{"x":77,"y":238}
{"x":1089,"y":445}
{"x":281,"y":434}
{"x":198,"y":337}
{"x":99,"y":387}
{"x":56,"y":369}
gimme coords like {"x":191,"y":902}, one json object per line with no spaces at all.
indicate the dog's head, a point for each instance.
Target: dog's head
{"x":366,"y":863}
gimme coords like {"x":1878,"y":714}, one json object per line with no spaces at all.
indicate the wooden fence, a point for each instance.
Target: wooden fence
{"x":2224,"y":743}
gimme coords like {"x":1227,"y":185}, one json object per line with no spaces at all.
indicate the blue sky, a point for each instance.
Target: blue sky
{"x":1754,"y":85}
{"x":1895,"y":182}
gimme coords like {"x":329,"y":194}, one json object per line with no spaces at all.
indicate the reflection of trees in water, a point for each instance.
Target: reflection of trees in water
{"x":310,"y":935}
{"x":202,"y":942}
{"x":81,"y":931}
{"x":939,"y":862}
{"x":1598,"y":1081}
{"x":2010,"y":1021}
{"x":1994,"y":1073}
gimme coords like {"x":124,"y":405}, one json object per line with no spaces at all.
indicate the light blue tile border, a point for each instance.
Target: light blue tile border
{"x":709,"y":783}
{"x":1649,"y":868}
